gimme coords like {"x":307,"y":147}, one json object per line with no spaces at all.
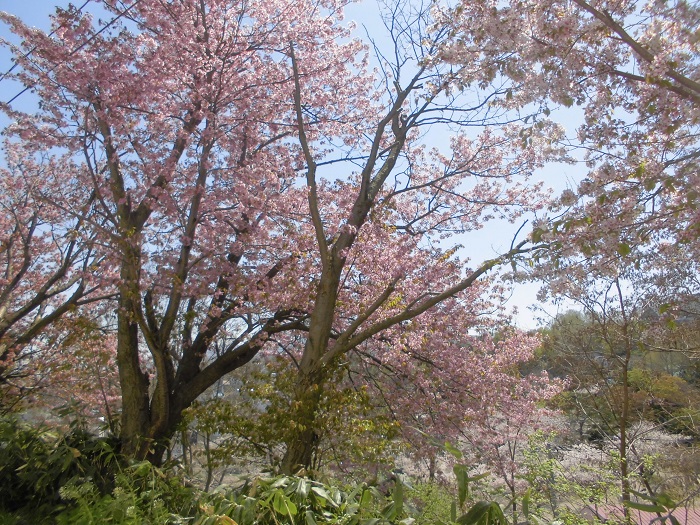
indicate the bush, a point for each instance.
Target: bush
{"x":80,"y":479}
{"x":36,"y":462}
{"x":142,"y":495}
{"x":296,"y":500}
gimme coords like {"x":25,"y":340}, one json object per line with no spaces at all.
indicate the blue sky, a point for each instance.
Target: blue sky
{"x":483,"y":244}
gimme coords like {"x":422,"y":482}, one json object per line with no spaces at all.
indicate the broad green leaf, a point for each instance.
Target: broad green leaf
{"x":479,"y":476}
{"x":303,"y":488}
{"x":280,"y":482}
{"x":646,"y":507}
{"x":279,"y":503}
{"x":366,"y":498}
{"x":526,"y":504}
{"x":462,"y":483}
{"x":496,"y":516}
{"x":320,"y":491}
{"x":398,"y":497}
{"x":452,"y":450}
{"x":389,"y":512}
{"x":624,"y":249}
{"x":475,"y":514}
{"x":665,"y":500}
{"x":310,"y":520}
{"x":291,"y":507}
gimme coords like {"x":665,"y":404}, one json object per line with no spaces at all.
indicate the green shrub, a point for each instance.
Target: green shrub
{"x":295,"y":501}
{"x":432,"y":501}
{"x":36,"y":462}
{"x":142,"y":495}
{"x":79,"y":479}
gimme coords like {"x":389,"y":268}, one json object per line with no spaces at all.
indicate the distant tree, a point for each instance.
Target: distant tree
{"x":615,"y":395}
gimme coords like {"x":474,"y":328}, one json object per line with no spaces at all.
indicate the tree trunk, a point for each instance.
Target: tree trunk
{"x":303,"y":439}
{"x":133,"y":381}
{"x":625,"y":415}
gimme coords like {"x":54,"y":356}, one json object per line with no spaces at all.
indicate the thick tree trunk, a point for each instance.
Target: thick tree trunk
{"x":160,"y":440}
{"x":303,"y":439}
{"x":134,"y":386}
{"x":135,"y":417}
{"x":144,"y":423}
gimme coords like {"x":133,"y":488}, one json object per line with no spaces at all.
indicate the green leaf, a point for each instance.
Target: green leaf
{"x":280,"y":482}
{"x":479,"y":476}
{"x":303,"y":488}
{"x":624,"y":249}
{"x":310,"y":520}
{"x":484,"y":513}
{"x":398,"y":497}
{"x":664,"y":308}
{"x":277,"y":505}
{"x":320,"y":491}
{"x":389,"y":512}
{"x":526,"y":504}
{"x":536,"y":234}
{"x":453,"y":451}
{"x":665,"y":500}
{"x":475,"y":514}
{"x":646,"y":507}
{"x":366,"y":498}
{"x":496,"y":516}
{"x":462,"y":483}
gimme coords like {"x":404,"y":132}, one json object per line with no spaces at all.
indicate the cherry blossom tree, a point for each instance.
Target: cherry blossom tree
{"x":255,"y":187}
{"x":48,"y":264}
{"x":631,"y":67}
{"x":376,"y":258}
{"x":181,"y":117}
{"x":497,"y":435}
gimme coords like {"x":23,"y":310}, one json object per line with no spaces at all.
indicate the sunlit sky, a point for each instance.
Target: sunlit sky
{"x":484,"y":244}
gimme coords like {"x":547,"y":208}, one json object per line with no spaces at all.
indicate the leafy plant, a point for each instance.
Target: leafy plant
{"x":36,"y":462}
{"x":299,"y":500}
{"x":143,"y":494}
{"x":479,"y":513}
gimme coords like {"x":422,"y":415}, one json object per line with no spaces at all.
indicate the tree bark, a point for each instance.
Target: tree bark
{"x":303,"y":438}
{"x":134,"y":382}
{"x":303,"y":442}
